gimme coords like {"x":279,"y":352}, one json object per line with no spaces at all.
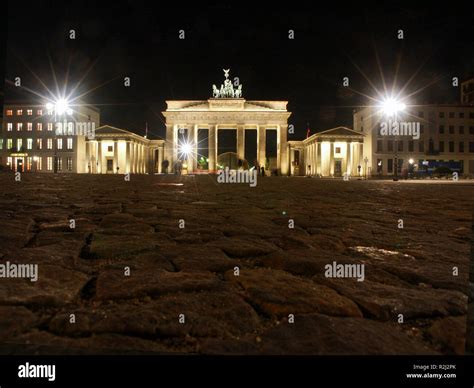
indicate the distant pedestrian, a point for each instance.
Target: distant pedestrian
{"x":262,"y":171}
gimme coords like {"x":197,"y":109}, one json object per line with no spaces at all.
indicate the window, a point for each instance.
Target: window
{"x":39,"y":112}
{"x":9,"y":112}
{"x":59,"y":162}
{"x":471,"y":130}
{"x":1,"y":144}
{"x":9,"y":127}
{"x":451,"y":146}
{"x":461,"y":129}
{"x":410,"y":146}
{"x":59,"y":144}
{"x":19,"y":144}
{"x":29,"y":144}
{"x":111,"y":148}
{"x":461,"y":146}
{"x":19,"y":112}
{"x":69,"y":143}
{"x":422,"y":128}
{"x":441,"y":146}
{"x":70,"y":128}
{"x":39,"y":144}
{"x":338,"y":149}
{"x":390,"y":145}
{"x":39,"y":163}
{"x":421,"y":146}
{"x":29,"y":112}
{"x":451,"y":115}
{"x":39,"y":126}
{"x":379,"y":146}
{"x":69,"y":163}
{"x":9,"y":161}
{"x":471,"y":115}
{"x":362,"y":129}
{"x":441,"y":129}
{"x":400,"y":146}
{"x":49,"y":144}
{"x":9,"y":144}
{"x":471,"y":146}
{"x":49,"y":164}
{"x":451,"y":129}
{"x":19,"y":126}
{"x":441,"y":115}
{"x":50,"y":126}
{"x":461,"y":115}
{"x":29,"y":126}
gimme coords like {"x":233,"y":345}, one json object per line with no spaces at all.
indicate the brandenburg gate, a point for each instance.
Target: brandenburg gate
{"x":227,"y":109}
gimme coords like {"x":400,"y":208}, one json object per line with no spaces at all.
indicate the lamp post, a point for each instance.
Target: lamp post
{"x":390,"y":107}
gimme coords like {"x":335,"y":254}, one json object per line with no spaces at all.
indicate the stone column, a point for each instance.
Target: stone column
{"x":116,"y":156}
{"x":325,"y":158}
{"x":212,"y":149}
{"x":261,"y":145}
{"x":193,"y":153}
{"x":127,"y":156}
{"x":241,"y":142}
{"x":331,"y":158}
{"x":170,"y":145}
{"x":283,"y":136}
{"x":349,"y":157}
{"x":99,"y":156}
{"x":317,"y":165}
{"x":160,"y":159}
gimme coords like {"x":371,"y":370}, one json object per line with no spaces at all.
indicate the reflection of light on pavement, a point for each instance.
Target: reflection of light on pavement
{"x":170,"y":184}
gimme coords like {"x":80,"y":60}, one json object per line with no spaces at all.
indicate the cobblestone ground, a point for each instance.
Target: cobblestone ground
{"x":190,"y":270}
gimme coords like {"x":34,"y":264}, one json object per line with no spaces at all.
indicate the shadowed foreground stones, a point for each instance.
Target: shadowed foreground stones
{"x":206,"y":314}
{"x":114,"y":285}
{"x":190,"y":270}
{"x":277,"y":293}
{"x":385,"y":302}
{"x":319,"y":334}
{"x":56,"y":286}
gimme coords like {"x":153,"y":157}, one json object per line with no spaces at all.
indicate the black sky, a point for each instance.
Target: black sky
{"x":140,"y":40}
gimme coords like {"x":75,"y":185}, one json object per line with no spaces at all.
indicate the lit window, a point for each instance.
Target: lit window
{"x":29,"y":112}
{"x":39,"y":112}
{"x":9,"y":112}
{"x":19,"y":144}
{"x":9,"y":144}
{"x":1,"y":144}
{"x":29,"y":126}
{"x":49,"y":166}
{"x":9,"y":127}
{"x":39,"y":144}
{"x":69,"y":163}
{"x":60,"y":144}
{"x":19,"y":112}
{"x":49,"y":145}
{"x":29,"y":144}
{"x":50,"y":126}
{"x":60,"y":163}
{"x":19,"y":126}
{"x":39,"y":126}
{"x":70,"y":128}
{"x":69,"y":143}
{"x":39,"y":163}
{"x":9,"y":161}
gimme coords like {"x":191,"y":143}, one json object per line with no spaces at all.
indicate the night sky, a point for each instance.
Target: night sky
{"x":140,"y":40}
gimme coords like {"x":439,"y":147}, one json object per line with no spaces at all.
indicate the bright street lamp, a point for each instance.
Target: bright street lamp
{"x":391,"y":106}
